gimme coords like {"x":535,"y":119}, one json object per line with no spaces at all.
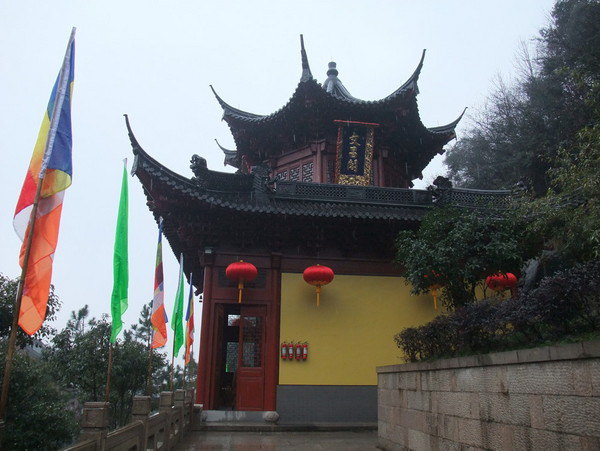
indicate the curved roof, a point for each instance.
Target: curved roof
{"x":239,"y":192}
{"x":310,"y":113}
{"x":332,"y":87}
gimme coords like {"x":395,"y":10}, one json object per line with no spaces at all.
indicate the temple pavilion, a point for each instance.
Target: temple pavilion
{"x":325,"y":180}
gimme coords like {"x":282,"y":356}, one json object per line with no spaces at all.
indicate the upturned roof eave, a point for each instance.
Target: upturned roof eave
{"x":448,"y":129}
{"x":181,"y":186}
{"x":410,"y":86}
{"x":141,"y":155}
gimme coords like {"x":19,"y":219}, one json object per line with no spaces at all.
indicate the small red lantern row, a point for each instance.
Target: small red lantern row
{"x":499,"y":282}
{"x":291,"y":351}
{"x":318,"y":276}
{"x":241,"y":272}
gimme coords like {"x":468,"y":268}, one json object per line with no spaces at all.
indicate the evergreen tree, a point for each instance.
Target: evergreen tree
{"x":38,"y":415}
{"x":79,"y":357}
{"x":518,"y":137}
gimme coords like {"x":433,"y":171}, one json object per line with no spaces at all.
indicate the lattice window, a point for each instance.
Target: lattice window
{"x":475,"y":198}
{"x":295,"y":174}
{"x":281,"y":175}
{"x":307,"y":172}
{"x":252,"y":336}
{"x":397,"y":195}
{"x":316,"y":190}
{"x":231,"y":357}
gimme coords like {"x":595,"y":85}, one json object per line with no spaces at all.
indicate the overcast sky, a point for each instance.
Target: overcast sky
{"x":154,"y":60}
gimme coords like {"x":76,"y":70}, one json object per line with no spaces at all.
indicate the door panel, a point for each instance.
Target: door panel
{"x":251,"y":364}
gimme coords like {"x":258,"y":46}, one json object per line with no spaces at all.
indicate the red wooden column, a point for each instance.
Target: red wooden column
{"x":272,"y":345}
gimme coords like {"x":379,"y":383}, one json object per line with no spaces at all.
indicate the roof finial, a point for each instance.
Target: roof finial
{"x":333,"y":85}
{"x":306,"y":74}
{"x":332,"y":69}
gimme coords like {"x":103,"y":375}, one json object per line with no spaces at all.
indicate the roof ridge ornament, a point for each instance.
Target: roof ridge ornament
{"x":306,"y":74}
{"x":333,"y":85}
{"x":332,"y":70}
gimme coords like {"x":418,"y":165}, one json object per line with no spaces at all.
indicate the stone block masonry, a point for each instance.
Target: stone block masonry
{"x":533,"y":399}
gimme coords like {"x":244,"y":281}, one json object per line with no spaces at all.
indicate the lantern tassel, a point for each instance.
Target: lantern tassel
{"x":434,"y":294}
{"x":240,"y":288}
{"x":318,"y":295}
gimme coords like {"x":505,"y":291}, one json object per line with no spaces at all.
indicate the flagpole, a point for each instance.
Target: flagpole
{"x":109,"y":371}
{"x":149,"y":375}
{"x":172,"y":367}
{"x":12,"y":340}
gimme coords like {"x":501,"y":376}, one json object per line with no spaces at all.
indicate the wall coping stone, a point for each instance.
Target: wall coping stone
{"x":570,"y":351}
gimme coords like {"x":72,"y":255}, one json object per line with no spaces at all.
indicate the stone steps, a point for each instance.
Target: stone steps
{"x":252,"y":421}
{"x":223,"y":426}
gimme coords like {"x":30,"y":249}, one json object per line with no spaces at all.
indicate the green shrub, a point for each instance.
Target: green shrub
{"x":564,"y":306}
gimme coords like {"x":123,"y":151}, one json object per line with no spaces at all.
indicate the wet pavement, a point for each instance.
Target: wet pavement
{"x":338,"y":440}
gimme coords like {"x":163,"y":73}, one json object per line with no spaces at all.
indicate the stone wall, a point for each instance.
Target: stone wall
{"x":540,"y":399}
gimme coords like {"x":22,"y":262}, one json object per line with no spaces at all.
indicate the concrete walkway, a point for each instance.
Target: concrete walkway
{"x":339,"y":440}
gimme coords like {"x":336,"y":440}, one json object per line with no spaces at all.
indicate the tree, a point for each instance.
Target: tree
{"x":457,"y":249}
{"x":129,"y":375}
{"x":79,"y":355}
{"x":516,"y":139}
{"x":8,"y":293}
{"x":568,"y":218}
{"x":79,"y":358}
{"x":37,"y":416}
{"x":143,"y":329}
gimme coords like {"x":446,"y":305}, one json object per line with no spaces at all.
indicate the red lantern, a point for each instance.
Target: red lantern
{"x":499,"y":282}
{"x":434,"y":287}
{"x":318,"y":276}
{"x":241,"y":272}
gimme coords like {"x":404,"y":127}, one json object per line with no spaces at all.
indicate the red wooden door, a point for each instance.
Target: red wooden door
{"x":250,"y":390}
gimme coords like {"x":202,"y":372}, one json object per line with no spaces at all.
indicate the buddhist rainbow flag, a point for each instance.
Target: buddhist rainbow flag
{"x":52,"y":166}
{"x":189,"y":331}
{"x":159,"y":315}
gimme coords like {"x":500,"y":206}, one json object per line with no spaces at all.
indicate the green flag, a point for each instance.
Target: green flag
{"x":118,"y":303}
{"x":177,"y":317}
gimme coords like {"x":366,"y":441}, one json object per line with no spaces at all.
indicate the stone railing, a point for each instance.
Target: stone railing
{"x":539,"y":399}
{"x":161,"y":430}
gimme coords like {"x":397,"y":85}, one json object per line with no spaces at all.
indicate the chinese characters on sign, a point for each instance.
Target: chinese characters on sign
{"x":354,"y":155}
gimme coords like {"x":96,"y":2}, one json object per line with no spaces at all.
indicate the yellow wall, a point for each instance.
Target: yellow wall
{"x":351,"y":332}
